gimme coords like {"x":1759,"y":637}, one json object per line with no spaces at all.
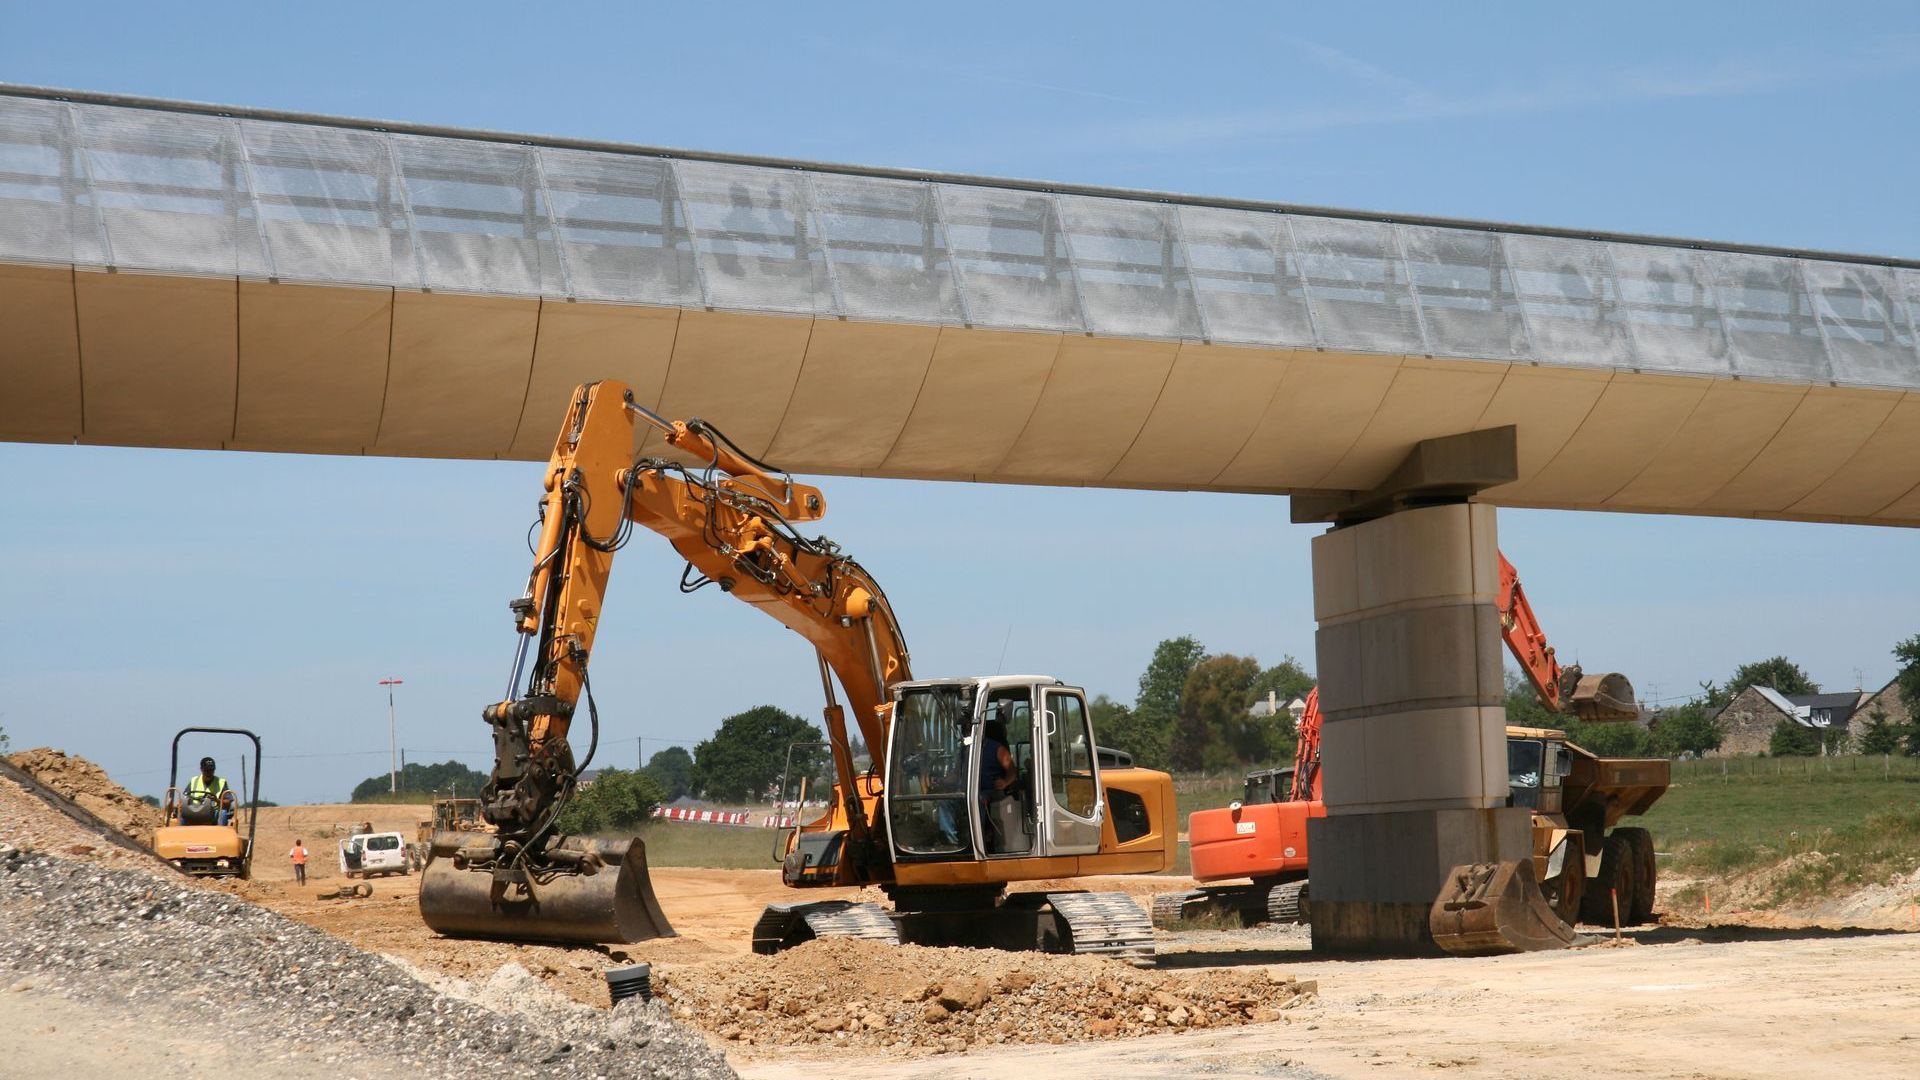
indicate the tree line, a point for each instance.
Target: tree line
{"x":1192,"y":710}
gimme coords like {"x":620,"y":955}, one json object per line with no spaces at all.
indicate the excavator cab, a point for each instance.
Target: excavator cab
{"x":991,"y":768}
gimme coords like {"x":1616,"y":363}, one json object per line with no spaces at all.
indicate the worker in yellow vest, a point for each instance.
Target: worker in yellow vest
{"x":208,"y":786}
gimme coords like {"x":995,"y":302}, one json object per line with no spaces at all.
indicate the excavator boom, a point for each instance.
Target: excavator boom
{"x":733,"y":519}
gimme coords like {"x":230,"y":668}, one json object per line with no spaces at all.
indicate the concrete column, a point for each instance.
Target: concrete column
{"x":1413,"y":742}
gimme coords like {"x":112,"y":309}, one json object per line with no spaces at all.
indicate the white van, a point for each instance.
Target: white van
{"x":379,"y":853}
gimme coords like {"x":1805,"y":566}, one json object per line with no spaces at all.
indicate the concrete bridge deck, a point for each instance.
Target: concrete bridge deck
{"x":197,"y":276}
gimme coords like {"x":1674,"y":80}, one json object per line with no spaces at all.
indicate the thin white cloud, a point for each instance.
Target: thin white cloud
{"x":1403,"y":101}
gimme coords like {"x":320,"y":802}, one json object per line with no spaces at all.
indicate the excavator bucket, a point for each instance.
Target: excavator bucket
{"x":603,"y":895}
{"x":1493,"y":908}
{"x":1604,"y":698}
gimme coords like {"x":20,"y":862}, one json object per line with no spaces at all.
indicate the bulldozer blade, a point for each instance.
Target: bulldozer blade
{"x":612,"y":903}
{"x":1604,"y":698}
{"x":1493,"y":908}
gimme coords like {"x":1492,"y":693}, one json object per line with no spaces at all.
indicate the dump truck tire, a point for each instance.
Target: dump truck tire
{"x":1615,"y":877}
{"x":1640,"y":843}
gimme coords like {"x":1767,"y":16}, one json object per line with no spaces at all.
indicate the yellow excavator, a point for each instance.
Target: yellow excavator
{"x":977,"y":782}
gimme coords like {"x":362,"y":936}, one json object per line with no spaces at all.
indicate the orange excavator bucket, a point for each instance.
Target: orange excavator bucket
{"x":590,"y":892}
{"x":1493,"y":908}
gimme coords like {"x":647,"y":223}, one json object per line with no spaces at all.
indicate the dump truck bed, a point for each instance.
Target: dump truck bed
{"x":1623,"y":786}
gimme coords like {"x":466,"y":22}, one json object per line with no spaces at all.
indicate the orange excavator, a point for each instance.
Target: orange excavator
{"x":977,"y":782}
{"x":1251,"y":857}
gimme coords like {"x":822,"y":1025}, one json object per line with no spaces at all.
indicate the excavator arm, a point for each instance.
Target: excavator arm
{"x":1594,"y":698}
{"x":733,"y":519}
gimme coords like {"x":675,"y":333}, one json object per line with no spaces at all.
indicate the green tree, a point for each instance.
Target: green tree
{"x":1879,"y":735}
{"x":421,"y":783}
{"x":1619,"y":739}
{"x":1907,"y":679}
{"x":1791,"y":739}
{"x":1776,"y":673}
{"x":1286,"y":679}
{"x":1156,"y":708}
{"x":743,"y":759}
{"x":1686,"y":729}
{"x":1119,"y":727}
{"x":1524,"y":707}
{"x":1910,"y":736}
{"x":672,"y":771}
{"x":1215,"y":729}
{"x":150,"y":800}
{"x":617,"y":799}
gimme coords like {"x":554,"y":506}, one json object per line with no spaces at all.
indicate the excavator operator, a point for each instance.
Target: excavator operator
{"x":997,"y":776}
{"x":208,"y":788}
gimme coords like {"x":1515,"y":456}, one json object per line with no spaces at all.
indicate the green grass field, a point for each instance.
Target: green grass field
{"x":720,"y":847}
{"x":1720,"y":817}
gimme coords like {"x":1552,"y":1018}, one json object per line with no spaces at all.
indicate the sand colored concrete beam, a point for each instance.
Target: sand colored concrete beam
{"x":1428,"y":398}
{"x":1827,"y":427}
{"x":1324,"y":403}
{"x":39,"y":354}
{"x":1212,"y":401}
{"x":457,"y":377}
{"x":313,"y":367}
{"x":981,"y":387}
{"x":1634,"y":418}
{"x":582,"y":343}
{"x":1096,"y":400}
{"x":877,"y":369}
{"x":1545,"y":406}
{"x":1724,"y":433}
{"x":159,"y":358}
{"x":1877,"y":475}
{"x":737,"y":371}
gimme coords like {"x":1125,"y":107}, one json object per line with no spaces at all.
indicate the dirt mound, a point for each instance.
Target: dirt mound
{"x":923,"y":1000}
{"x":88,"y":785}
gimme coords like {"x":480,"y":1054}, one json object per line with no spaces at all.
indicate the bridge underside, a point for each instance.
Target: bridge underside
{"x":175,"y":276}
{"x":146,"y":360}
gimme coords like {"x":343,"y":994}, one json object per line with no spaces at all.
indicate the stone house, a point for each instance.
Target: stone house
{"x":1747,"y":722}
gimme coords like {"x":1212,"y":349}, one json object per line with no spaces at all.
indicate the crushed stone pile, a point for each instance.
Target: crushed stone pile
{"x":95,"y":932}
{"x":915,"y":1000}
{"x":88,"y":786}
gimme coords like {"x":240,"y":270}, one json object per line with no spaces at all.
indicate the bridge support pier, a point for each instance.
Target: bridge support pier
{"x":1413,"y":741}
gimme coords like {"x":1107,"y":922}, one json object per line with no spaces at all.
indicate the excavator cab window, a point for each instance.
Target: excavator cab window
{"x":1526,"y":759}
{"x":927,"y":786}
{"x":1008,"y":817}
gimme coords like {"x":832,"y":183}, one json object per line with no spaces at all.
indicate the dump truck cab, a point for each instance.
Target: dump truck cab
{"x":1537,"y":766}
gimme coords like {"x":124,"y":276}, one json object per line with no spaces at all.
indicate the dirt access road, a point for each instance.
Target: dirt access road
{"x":1762,"y":1004}
{"x":1726,"y":1001}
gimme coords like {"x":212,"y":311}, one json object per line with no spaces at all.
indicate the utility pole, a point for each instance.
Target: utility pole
{"x":393,"y":741}
{"x":640,"y":752}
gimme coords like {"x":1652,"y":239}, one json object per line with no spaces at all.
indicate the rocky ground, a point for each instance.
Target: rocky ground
{"x":103,"y":926}
{"x":916,"y":1000}
{"x":89,"y":787}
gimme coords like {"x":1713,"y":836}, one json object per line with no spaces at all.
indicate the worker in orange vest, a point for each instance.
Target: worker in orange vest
{"x":299,"y":856}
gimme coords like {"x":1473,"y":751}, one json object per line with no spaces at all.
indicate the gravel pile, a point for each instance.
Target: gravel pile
{"x":92,"y":931}
{"x":88,"y":786}
{"x":916,"y":1000}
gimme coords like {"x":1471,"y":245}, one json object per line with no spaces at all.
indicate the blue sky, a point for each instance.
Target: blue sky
{"x":151,"y":589}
